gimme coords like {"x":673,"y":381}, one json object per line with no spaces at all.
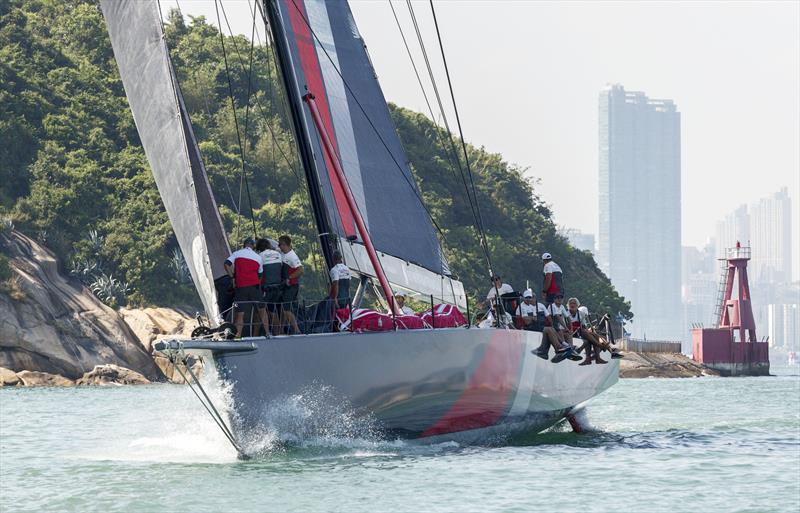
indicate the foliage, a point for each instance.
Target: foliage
{"x":70,"y":159}
{"x":5,"y":268}
{"x":110,"y":290}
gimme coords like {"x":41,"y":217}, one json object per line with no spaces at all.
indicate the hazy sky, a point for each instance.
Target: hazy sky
{"x":527,"y":77}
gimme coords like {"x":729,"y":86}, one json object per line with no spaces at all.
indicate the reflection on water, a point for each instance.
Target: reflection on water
{"x":654,"y":445}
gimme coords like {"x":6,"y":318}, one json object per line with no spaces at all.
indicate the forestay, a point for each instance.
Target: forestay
{"x":325,"y":55}
{"x":166,"y":134}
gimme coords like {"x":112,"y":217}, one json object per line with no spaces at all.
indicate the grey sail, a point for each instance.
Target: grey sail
{"x":166,"y":134}
{"x":322,"y":53}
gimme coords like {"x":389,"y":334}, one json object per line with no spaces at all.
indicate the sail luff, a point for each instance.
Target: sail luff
{"x":166,"y":135}
{"x":274,"y":26}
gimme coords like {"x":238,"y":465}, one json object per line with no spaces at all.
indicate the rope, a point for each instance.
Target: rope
{"x":454,"y":151}
{"x":463,"y":144}
{"x":209,"y":406}
{"x":236,"y":124}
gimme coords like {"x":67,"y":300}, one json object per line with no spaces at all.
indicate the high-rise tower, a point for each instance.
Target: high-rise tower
{"x":639,"y":244}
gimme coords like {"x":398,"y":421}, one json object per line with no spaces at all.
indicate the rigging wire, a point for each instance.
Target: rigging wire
{"x":236,"y":124}
{"x":463,"y":144}
{"x":454,"y":151}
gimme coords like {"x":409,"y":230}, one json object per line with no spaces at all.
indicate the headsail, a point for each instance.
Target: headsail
{"x":322,"y":51}
{"x":166,"y":133}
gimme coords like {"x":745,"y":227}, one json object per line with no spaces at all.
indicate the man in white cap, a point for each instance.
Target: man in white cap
{"x":531,"y":313}
{"x":400,"y":301}
{"x":553,"y":279}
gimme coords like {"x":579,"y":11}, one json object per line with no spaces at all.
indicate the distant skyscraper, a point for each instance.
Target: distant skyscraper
{"x":639,"y":243}
{"x":580,"y":240}
{"x":767,"y":226}
{"x":735,"y":227}
{"x":771,"y":238}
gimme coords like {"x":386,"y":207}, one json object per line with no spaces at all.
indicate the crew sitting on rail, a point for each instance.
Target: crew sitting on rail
{"x":555,"y":338}
{"x":340,"y":281}
{"x":557,"y":314}
{"x":495,"y":320}
{"x":400,"y":301}
{"x":244,"y":267}
{"x":530,"y":314}
{"x":272,"y":279}
{"x":294,"y":269}
{"x":553,"y":279}
{"x":579,"y":325}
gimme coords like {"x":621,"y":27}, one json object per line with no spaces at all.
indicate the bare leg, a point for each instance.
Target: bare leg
{"x":239,"y":323}
{"x":262,"y":312}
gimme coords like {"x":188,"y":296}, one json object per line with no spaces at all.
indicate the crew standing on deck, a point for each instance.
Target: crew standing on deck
{"x":553,"y":279}
{"x":294,"y":269}
{"x":272,"y":278}
{"x":244,"y":267}
{"x":340,"y":281}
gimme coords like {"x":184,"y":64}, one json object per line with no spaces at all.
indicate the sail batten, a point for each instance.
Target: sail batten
{"x":168,"y":140}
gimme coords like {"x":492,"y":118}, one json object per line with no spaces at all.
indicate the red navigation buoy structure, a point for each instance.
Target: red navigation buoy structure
{"x":731,"y":347}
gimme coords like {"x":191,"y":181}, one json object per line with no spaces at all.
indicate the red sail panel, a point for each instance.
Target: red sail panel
{"x":306,"y":49}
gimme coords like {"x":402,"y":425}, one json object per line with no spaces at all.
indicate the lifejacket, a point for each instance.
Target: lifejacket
{"x":272,"y":275}
{"x":575,"y":324}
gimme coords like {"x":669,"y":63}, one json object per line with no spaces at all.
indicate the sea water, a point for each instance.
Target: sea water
{"x":703,"y":444}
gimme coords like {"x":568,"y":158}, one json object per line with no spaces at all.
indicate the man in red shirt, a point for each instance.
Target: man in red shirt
{"x":244,"y":267}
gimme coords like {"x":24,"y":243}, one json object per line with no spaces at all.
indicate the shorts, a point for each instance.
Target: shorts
{"x":272,"y":297}
{"x":289,"y":296}
{"x":551,"y":298}
{"x":249,"y":296}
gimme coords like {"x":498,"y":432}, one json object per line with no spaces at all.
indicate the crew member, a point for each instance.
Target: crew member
{"x":244,"y":267}
{"x":272,"y":278}
{"x":579,"y":325}
{"x":498,"y":288}
{"x":553,"y":279}
{"x":554,"y":334}
{"x":291,"y":289}
{"x":340,"y":281}
{"x":531,"y":314}
{"x":400,"y":301}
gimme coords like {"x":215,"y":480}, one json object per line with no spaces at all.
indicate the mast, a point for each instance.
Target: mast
{"x":272,"y":23}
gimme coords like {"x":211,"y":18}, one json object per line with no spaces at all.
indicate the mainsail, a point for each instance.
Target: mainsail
{"x":322,"y":53}
{"x":166,"y":133}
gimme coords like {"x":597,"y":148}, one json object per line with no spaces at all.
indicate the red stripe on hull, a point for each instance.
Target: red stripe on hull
{"x":316,"y":86}
{"x":490,"y":389}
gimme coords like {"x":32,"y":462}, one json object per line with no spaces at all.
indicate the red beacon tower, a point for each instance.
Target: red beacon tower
{"x":732,"y":347}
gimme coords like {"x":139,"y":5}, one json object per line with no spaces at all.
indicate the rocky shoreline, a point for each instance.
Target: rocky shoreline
{"x":661,"y":365}
{"x":55,"y":332}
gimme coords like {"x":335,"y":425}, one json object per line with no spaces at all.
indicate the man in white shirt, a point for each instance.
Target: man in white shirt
{"x":530,"y":312}
{"x":553,"y":279}
{"x":498,"y":288}
{"x":400,"y":301}
{"x":340,"y":281}
{"x":294,"y":269}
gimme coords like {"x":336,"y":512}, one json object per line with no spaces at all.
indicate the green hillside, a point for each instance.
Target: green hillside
{"x":73,"y":175}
